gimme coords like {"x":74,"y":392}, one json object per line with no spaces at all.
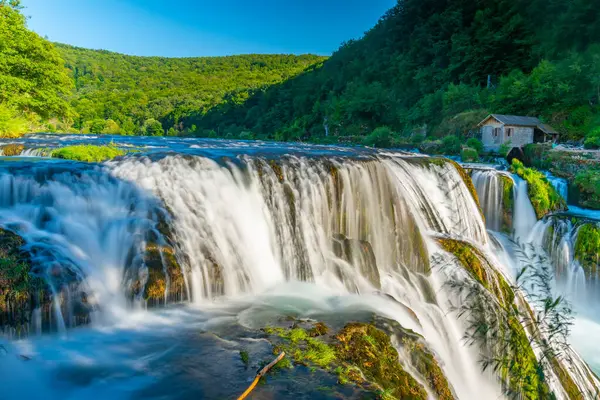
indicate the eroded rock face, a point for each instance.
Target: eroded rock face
{"x":360,"y":254}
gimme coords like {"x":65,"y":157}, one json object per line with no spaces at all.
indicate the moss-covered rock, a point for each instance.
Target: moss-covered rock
{"x":544,"y":198}
{"x":363,"y":354}
{"x":13,"y":149}
{"x":20,"y":291}
{"x":476,"y":265}
{"x":587,"y":248}
{"x":507,"y":203}
{"x":163,"y":272}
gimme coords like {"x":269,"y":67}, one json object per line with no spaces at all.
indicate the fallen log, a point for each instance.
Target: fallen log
{"x":260,"y":374}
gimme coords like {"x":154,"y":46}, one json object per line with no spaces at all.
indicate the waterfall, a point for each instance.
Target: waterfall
{"x":524,"y":214}
{"x":560,"y":184}
{"x":489,"y":188}
{"x":150,"y":230}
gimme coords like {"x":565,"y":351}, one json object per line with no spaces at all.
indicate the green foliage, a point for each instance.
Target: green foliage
{"x":425,"y":66}
{"x":133,"y":90}
{"x":33,"y":81}
{"x":544,"y":198}
{"x":87,"y":153}
{"x":451,"y":145}
{"x":505,"y":148}
{"x":587,"y":248}
{"x":592,"y":140}
{"x":469,"y":154}
{"x":152,"y":127}
{"x":475,"y":144}
{"x":507,"y":203}
{"x":380,"y":137}
{"x":588,"y":183}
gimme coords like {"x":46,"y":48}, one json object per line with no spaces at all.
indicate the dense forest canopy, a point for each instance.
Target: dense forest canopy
{"x":115,"y":93}
{"x":437,"y":67}
{"x":33,"y":81}
{"x":428,"y":68}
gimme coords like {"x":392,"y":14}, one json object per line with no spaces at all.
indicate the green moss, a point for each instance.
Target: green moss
{"x":566,"y":381}
{"x":159,"y":259}
{"x":507,"y":203}
{"x":245,"y":357}
{"x":364,"y":355}
{"x":473,"y":262}
{"x":88,"y":152}
{"x":426,"y":364}
{"x":469,"y":184}
{"x":370,"y":350}
{"x":587,"y":248}
{"x":587,"y":183}
{"x":544,"y":198}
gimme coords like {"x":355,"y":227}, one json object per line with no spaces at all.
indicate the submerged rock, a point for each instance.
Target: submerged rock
{"x":13,"y":149}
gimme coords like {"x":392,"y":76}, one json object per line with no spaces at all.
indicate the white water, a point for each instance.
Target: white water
{"x":489,"y":188}
{"x":250,"y":232}
{"x":560,"y":184}
{"x":524,"y":218}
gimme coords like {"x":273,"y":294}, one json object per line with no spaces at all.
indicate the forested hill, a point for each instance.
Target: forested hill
{"x":116,"y":93}
{"x":424,"y":68}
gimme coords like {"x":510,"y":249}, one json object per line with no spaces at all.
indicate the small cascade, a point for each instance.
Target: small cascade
{"x":524,"y":214}
{"x":490,"y":186}
{"x":560,"y":184}
{"x":559,"y":237}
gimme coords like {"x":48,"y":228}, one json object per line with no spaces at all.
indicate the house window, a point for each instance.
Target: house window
{"x":509,"y":131}
{"x":496,"y":132}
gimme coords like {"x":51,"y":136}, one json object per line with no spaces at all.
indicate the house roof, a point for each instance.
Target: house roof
{"x":521,"y":121}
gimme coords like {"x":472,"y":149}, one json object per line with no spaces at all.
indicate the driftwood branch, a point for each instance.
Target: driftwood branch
{"x":260,"y":374}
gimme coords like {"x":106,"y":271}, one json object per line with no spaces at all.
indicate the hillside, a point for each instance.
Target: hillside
{"x":116,"y":93}
{"x":424,"y":68}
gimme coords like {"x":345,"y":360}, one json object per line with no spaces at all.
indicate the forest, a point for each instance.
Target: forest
{"x":436,"y":68}
{"x":429,"y":69}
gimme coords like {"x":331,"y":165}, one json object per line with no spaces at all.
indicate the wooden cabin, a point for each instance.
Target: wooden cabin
{"x":518,"y":131}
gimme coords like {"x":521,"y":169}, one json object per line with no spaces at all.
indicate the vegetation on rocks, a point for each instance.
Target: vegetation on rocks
{"x":88,"y":152}
{"x":587,"y":183}
{"x":363,"y":354}
{"x":469,"y":154}
{"x":587,"y":248}
{"x":17,"y":286}
{"x":544,"y":198}
{"x":12,"y":149}
{"x":507,"y":203}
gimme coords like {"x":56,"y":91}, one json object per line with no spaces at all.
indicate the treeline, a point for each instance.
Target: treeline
{"x":435,"y":68}
{"x":116,"y":93}
{"x":34,"y":84}
{"x":59,"y":88}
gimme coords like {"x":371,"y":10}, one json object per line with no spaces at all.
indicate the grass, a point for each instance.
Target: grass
{"x":88,"y":152}
{"x":544,"y":198}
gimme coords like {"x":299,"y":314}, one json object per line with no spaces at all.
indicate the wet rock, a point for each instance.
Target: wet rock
{"x":13,"y":149}
{"x":358,"y":253}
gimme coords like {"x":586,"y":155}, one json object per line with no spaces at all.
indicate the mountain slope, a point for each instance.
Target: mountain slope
{"x":425,"y":66}
{"x":132,"y":92}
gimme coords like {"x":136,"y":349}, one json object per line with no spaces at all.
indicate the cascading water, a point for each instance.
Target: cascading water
{"x":489,"y":188}
{"x":246,"y":230}
{"x":524,"y":214}
{"x":560,"y":184}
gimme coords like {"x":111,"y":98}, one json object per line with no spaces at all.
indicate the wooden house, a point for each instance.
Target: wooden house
{"x":514,"y":130}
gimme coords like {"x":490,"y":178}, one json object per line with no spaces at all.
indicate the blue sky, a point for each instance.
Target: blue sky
{"x":184,"y":28}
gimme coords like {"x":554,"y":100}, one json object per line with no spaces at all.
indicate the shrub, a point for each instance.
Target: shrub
{"x":475,"y":144}
{"x":87,"y":152}
{"x":592,"y":140}
{"x":505,"y":148}
{"x":246,"y":135}
{"x":544,"y":198}
{"x":587,"y":183}
{"x":451,"y":145}
{"x":469,"y":154}
{"x":380,"y":137}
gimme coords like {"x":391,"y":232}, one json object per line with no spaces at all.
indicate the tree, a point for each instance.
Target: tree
{"x":32,"y":73}
{"x":153,"y":127}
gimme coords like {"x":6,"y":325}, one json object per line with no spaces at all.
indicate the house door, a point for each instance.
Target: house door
{"x":539,"y":136}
